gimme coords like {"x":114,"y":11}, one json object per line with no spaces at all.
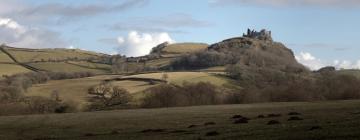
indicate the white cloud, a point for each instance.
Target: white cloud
{"x":314,"y":63}
{"x":345,"y":64}
{"x":14,"y":34}
{"x":309,"y":60}
{"x":138,"y":44}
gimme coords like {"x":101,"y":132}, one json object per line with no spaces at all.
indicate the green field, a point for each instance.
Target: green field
{"x":66,"y":67}
{"x":32,"y":55}
{"x":333,"y":120}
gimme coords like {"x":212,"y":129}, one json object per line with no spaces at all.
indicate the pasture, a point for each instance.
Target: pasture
{"x":335,"y":120}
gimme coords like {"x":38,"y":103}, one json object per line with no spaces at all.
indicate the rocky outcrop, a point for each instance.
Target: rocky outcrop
{"x":256,"y":49}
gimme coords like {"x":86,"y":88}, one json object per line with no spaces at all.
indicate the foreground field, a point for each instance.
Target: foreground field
{"x":321,"y":121}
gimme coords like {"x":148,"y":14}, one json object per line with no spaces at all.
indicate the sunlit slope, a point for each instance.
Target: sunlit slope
{"x":41,"y":55}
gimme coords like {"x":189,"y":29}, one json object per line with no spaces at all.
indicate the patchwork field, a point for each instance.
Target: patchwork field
{"x":333,"y":120}
{"x":66,"y":67}
{"x":32,"y":55}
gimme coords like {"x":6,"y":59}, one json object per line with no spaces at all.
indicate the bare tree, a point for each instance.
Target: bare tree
{"x":109,"y":95}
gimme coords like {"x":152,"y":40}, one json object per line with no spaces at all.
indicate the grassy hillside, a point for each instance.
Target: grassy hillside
{"x":56,"y":60}
{"x":180,"y":77}
{"x":69,"y":90}
{"x":5,"y":58}
{"x":66,"y":67}
{"x":10,"y":69}
{"x":32,"y":55}
{"x":184,"y":48}
{"x":350,"y":72}
{"x":76,"y":89}
{"x":334,"y":120}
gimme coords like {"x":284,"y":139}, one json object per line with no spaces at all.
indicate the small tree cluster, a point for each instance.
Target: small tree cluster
{"x":105,"y":95}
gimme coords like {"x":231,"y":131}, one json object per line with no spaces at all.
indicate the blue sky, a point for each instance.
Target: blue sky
{"x":320,"y":32}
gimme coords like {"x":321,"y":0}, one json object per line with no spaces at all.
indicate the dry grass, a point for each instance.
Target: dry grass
{"x":336,"y":120}
{"x":76,"y":89}
{"x":352,"y":72}
{"x":180,"y":77}
{"x":31,"y":55}
{"x":91,"y":65}
{"x":65,"y":67}
{"x":69,"y":90}
{"x":4,"y":58}
{"x":159,"y":62}
{"x":10,"y":69}
{"x":184,"y":48}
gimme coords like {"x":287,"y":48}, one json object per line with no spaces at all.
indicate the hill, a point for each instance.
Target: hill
{"x":18,"y":60}
{"x":335,"y":120}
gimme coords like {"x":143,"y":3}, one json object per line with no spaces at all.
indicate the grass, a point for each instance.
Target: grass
{"x":66,"y":67}
{"x":161,"y":62}
{"x":5,"y":58}
{"x":337,"y":120}
{"x":184,"y":48}
{"x":31,"y":55}
{"x":180,"y":77}
{"x":10,"y":69}
{"x":76,"y":89}
{"x":352,"y":72}
{"x":91,"y":65}
{"x":69,"y":90}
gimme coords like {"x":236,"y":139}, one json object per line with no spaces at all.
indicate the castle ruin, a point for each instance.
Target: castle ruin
{"x":262,"y":35}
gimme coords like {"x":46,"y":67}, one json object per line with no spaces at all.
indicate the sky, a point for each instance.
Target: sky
{"x":320,"y":32}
